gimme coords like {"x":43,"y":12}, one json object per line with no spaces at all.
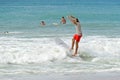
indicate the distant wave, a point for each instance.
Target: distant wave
{"x":7,"y":32}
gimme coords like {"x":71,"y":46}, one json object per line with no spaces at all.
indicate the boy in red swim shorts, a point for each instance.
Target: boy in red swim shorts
{"x":76,"y":38}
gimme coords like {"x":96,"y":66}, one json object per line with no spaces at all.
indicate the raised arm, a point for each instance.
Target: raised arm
{"x":72,"y":19}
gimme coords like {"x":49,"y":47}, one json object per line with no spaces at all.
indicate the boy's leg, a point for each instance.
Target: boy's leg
{"x":73,"y":41}
{"x":76,"y":49}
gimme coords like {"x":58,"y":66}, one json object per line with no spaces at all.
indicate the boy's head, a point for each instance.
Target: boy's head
{"x":77,"y":20}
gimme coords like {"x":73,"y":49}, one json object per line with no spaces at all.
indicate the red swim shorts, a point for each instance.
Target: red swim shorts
{"x":77,"y":37}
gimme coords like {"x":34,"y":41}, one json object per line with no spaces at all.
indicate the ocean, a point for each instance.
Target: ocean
{"x":28,"y":48}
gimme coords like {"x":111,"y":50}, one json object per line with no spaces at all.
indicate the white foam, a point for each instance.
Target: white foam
{"x":40,"y":50}
{"x":14,"y":50}
{"x":101,"y":46}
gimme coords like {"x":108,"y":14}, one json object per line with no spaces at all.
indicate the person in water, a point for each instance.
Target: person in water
{"x":77,"y":36}
{"x":63,"y":20}
{"x":42,"y":23}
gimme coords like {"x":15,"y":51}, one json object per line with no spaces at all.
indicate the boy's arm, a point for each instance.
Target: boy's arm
{"x":71,"y":18}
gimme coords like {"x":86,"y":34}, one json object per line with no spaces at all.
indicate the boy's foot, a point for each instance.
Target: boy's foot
{"x":74,"y":54}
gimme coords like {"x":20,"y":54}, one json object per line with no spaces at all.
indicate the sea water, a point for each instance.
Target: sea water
{"x":26,"y":47}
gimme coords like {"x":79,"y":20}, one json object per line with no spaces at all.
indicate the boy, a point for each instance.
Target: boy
{"x":76,"y":38}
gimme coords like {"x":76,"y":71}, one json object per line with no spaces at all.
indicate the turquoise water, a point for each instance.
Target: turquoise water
{"x":97,"y":17}
{"x":28,"y":48}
